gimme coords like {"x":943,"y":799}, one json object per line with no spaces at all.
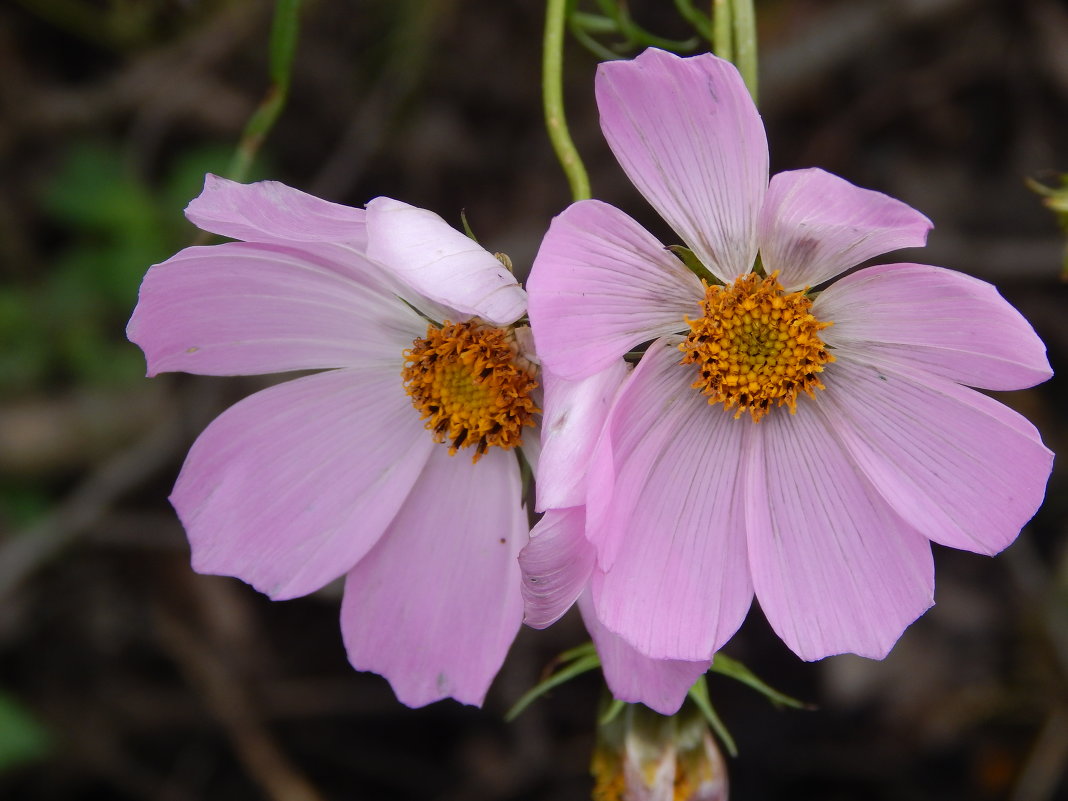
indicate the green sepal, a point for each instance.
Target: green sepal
{"x":613,"y":708}
{"x":467,"y":226}
{"x":726,"y":666}
{"x":586,"y":649}
{"x":575,"y":662}
{"x":430,"y":320}
{"x":693,"y":264}
{"x":699,"y":695}
{"x":758,"y":267}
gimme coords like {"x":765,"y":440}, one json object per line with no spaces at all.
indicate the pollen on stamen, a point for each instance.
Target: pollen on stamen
{"x":756,"y":346}
{"x":471,"y":386}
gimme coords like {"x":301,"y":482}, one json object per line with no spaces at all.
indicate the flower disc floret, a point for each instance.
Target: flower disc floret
{"x":470,"y":385}
{"x":756,"y":346}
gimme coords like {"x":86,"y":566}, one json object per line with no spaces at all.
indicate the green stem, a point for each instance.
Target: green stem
{"x":722,"y":34}
{"x":701,"y":23}
{"x":591,"y":44}
{"x":283,"y":48}
{"x":745,"y":39}
{"x":594,"y":23}
{"x":553,"y":100}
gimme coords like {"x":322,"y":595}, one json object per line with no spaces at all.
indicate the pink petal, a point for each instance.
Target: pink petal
{"x":660,"y":684}
{"x":556,"y":565}
{"x":290,"y":487}
{"x":438,"y":261}
{"x":835,"y":569}
{"x":930,"y":318}
{"x":942,"y":458}
{"x":240,"y":309}
{"x":687,"y":134}
{"x":435,"y":605}
{"x":272,"y":212}
{"x":815,"y":225}
{"x":666,"y":515}
{"x":602,"y":284}
{"x":574,"y":413}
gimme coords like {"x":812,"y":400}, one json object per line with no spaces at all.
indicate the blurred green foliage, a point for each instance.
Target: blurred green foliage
{"x":1056,"y":199}
{"x":22,"y":738}
{"x":112,"y":225}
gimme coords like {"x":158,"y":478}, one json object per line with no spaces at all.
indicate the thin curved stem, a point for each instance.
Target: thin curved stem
{"x":701,"y":23}
{"x":552,"y":66}
{"x":283,"y":48}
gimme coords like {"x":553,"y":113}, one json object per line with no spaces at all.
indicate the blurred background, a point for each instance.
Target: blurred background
{"x":123,"y":675}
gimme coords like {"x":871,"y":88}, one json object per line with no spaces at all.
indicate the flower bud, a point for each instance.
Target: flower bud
{"x":643,"y":756}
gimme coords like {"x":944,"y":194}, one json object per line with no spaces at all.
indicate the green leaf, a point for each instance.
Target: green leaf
{"x":726,"y":666}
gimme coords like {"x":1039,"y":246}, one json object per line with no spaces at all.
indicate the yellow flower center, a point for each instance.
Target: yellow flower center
{"x":756,"y":346}
{"x":607,"y":769}
{"x":470,"y":385}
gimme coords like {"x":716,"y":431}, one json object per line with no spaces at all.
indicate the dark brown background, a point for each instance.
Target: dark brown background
{"x":132,"y":678}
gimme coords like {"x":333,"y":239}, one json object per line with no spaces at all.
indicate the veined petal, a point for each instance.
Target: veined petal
{"x":289,"y":488}
{"x":815,"y":225}
{"x":441,"y":263}
{"x":660,"y":684}
{"x":436,"y":604}
{"x":268,"y":211}
{"x":574,"y":413}
{"x":242,"y":308}
{"x":931,"y":318}
{"x":556,"y":565}
{"x":687,"y":134}
{"x":835,"y":569}
{"x":602,"y":284}
{"x":938,"y":454}
{"x":665,"y":508}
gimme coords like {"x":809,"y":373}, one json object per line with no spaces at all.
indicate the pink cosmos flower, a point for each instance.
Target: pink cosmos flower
{"x":412,"y":326}
{"x":806,"y":447}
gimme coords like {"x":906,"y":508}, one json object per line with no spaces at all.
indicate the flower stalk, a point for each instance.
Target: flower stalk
{"x":284,"y":31}
{"x":734,"y":38}
{"x":722,"y":40}
{"x":745,"y":43}
{"x":553,"y":100}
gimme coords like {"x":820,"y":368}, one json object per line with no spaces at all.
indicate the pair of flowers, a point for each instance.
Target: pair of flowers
{"x":803,"y":447}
